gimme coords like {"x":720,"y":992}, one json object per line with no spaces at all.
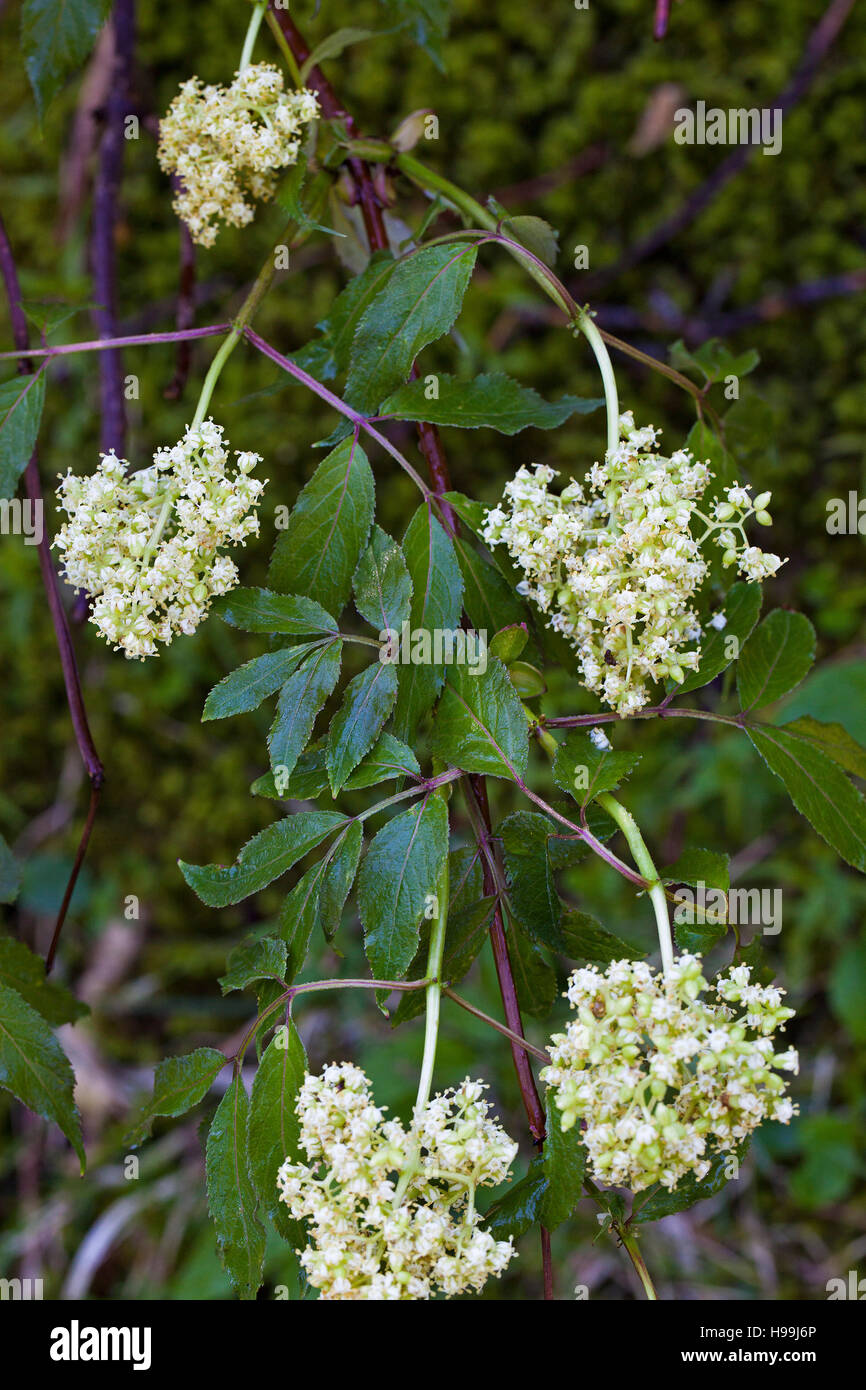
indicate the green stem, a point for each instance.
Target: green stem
{"x":252,"y":33}
{"x":582,"y":319}
{"x":628,"y":825}
{"x":629,"y":1241}
{"x":434,"y":989}
{"x":260,"y":286}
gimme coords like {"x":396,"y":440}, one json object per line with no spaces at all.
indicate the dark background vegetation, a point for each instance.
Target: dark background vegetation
{"x":557,"y":112}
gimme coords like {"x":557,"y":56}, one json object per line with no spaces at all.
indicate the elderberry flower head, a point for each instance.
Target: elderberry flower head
{"x":614,"y":564}
{"x":146,"y":547}
{"x":226,"y":145}
{"x":663,"y":1078}
{"x":391,"y":1211}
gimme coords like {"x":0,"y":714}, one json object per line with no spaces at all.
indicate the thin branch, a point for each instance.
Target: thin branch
{"x":131,"y":340}
{"x":663,"y":14}
{"x":517,"y":1038}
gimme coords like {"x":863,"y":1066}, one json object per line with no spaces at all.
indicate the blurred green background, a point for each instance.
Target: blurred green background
{"x":527,"y":93}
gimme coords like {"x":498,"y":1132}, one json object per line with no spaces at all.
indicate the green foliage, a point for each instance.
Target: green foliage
{"x":301,"y":698}
{"x":740,"y":612}
{"x":419,"y":302}
{"x":777,"y":656}
{"x":492,"y":400}
{"x":662,"y":1202}
{"x":179,"y":1083}
{"x":437,"y":590}
{"x":564,"y":1164}
{"x":24,"y":972}
{"x":397,"y":884}
{"x":367,"y":702}
{"x":56,"y":38}
{"x":231,"y":1196}
{"x":21,"y":403}
{"x":318,"y":551}
{"x":585,"y":771}
{"x":260,"y":610}
{"x":34,"y":1067}
{"x":480,"y":725}
{"x":382,"y":584}
{"x":265,"y":857}
{"x":532,"y":892}
{"x":273,"y":1124}
{"x":244,"y":689}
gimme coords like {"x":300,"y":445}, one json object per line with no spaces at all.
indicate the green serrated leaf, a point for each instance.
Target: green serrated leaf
{"x":586,"y":939}
{"x":832,"y":739}
{"x":273,"y":1125}
{"x":179,"y":1083}
{"x":244,"y":689}
{"x":437,"y":597}
{"x":689,"y":1189}
{"x":256,"y":959}
{"x":56,"y":38}
{"x":299,"y":915}
{"x":488,"y":598}
{"x":776,"y":657}
{"x":564,"y":1165}
{"x":261,"y":610}
{"x":480,"y":725}
{"x":695,"y":866}
{"x":536,"y":235}
{"x":521,"y":1206}
{"x":35,"y":1069}
{"x":328,"y":526}
{"x":265,"y":857}
{"x":231,"y":1197}
{"x":740,"y":612}
{"x":329,"y":355}
{"x":534,"y":977}
{"x":493,"y":401}
{"x":584,"y":771}
{"x":308,"y":780}
{"x":532,"y":891}
{"x":818,"y":788}
{"x":428,"y":22}
{"x":367,"y":702}
{"x":333,"y":46}
{"x":418,"y":303}
{"x":338,"y":878}
{"x":398,"y":878}
{"x":22,"y":970}
{"x":301,"y":698}
{"x":21,"y":402}
{"x":382,"y":584}
{"x":389,"y":758}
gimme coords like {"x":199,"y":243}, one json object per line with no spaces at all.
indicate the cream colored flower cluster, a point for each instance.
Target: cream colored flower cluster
{"x":146,"y":547}
{"x":615,"y":565}
{"x":227,"y":145}
{"x":391,"y":1212}
{"x":662,"y":1078}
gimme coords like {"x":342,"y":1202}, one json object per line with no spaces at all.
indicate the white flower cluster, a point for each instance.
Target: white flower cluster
{"x":663,"y":1079}
{"x":391,"y":1211}
{"x":145,"y":547}
{"x":616,"y":565}
{"x":226,"y":144}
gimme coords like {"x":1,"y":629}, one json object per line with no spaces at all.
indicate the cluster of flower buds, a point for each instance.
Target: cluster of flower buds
{"x":662,"y":1078}
{"x":227,"y":145}
{"x":145,"y":547}
{"x":614,"y":564}
{"x":391,"y":1211}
